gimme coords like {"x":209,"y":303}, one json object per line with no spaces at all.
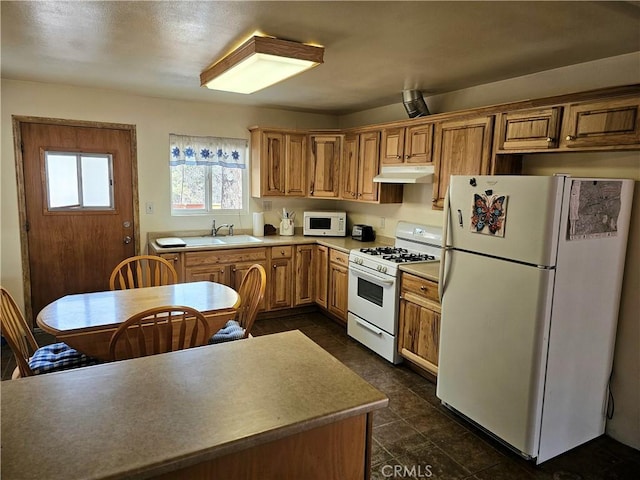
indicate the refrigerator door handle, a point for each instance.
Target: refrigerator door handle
{"x":445,"y":234}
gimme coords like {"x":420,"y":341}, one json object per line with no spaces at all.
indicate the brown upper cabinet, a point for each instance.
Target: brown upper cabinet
{"x":613,"y":123}
{"x":532,"y":129}
{"x":360,"y":164}
{"x":407,"y":145}
{"x":462,"y":147}
{"x":278,"y":163}
{"x":324,"y":175}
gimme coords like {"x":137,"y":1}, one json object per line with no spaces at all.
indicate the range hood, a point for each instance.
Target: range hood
{"x":407,"y":174}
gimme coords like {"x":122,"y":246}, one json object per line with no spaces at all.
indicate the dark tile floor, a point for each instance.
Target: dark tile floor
{"x":416,"y":438}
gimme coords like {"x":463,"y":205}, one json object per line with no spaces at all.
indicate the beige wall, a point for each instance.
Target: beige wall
{"x":155,"y":118}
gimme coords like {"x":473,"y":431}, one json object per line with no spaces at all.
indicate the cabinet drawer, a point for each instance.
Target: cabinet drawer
{"x":421,"y":287}
{"x":282,"y":252}
{"x":336,"y":256}
{"x":193,"y":259}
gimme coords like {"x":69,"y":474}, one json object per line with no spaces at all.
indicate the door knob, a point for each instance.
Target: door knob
{"x":127,"y":240}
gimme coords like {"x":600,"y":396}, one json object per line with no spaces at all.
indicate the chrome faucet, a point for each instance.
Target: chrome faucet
{"x":214,"y":229}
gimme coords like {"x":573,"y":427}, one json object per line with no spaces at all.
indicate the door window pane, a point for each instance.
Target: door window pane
{"x":62,"y":180}
{"x":96,"y":191}
{"x":77,"y":181}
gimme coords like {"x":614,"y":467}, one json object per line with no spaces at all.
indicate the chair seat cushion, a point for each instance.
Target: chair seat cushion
{"x":57,"y":357}
{"x":231,"y":331}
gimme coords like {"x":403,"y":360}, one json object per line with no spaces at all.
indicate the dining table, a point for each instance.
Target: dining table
{"x":86,"y":321}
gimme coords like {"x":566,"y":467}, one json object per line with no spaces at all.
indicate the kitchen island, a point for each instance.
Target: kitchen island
{"x":276,"y":406}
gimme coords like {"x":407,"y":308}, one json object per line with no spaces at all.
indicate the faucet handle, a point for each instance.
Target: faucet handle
{"x":231,"y":230}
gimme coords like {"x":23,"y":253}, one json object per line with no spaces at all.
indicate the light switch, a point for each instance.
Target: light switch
{"x":149,"y":207}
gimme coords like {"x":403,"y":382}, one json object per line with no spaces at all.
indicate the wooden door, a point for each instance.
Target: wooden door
{"x":392,"y":152}
{"x":368,"y":166}
{"x":532,"y":129}
{"x":462,"y":147}
{"x":608,"y":123}
{"x":296,"y":161}
{"x":325,"y":164}
{"x":304,"y":281}
{"x":338,"y":290}
{"x":74,"y":248}
{"x":349,"y":167}
{"x":418,"y":143}
{"x":322,"y":275}
{"x":273,"y":171}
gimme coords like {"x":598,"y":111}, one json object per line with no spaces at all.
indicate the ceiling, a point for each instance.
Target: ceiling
{"x":373,"y":50}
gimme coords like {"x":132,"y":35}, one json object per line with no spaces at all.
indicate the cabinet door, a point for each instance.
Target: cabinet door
{"x":295,"y":165}
{"x":325,"y":166}
{"x":280,"y":283}
{"x":338,"y":290}
{"x":217,"y":273}
{"x":304,"y":279}
{"x":176,"y":260}
{"x":419,"y":334}
{"x":237,"y":273}
{"x":418,"y":144}
{"x":536,"y":129}
{"x":349,"y":190}
{"x":368,"y":166}
{"x":610,"y":123}
{"x":272,"y":168}
{"x":322,"y":275}
{"x":462,"y":147}
{"x":392,"y":152}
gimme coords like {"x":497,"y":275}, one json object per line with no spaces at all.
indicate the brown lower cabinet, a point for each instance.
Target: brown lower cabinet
{"x":419,"y":322}
{"x":338,"y":283}
{"x":280,"y":285}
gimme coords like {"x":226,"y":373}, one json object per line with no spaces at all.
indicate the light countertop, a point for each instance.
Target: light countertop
{"x":429,"y":270}
{"x":151,"y":415}
{"x":341,"y":243}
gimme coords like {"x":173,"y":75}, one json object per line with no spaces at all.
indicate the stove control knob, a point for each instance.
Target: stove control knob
{"x":359,"y":261}
{"x":383,"y":269}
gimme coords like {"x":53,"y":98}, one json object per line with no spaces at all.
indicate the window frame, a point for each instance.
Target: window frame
{"x":79,"y":207}
{"x":208,"y":184}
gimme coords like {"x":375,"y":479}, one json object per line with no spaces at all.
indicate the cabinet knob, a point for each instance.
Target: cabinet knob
{"x":281,"y":252}
{"x":398,"y":157}
{"x":275,"y":266}
{"x":549,"y":139}
{"x":570,"y":137}
{"x":422,"y":288}
{"x":407,"y":156}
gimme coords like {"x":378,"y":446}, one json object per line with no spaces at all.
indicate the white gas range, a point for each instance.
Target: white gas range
{"x":374,"y":285}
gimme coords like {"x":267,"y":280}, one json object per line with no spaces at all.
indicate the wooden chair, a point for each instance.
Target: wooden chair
{"x":30,"y":359}
{"x":159,"y":330}
{"x":251,"y":292}
{"x":142,"y":271}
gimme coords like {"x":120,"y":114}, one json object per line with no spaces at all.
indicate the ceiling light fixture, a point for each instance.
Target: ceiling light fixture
{"x":260,"y":62}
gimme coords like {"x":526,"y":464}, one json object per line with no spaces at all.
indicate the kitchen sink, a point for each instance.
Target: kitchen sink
{"x":229,"y":240}
{"x":233,"y":239}
{"x":199,"y":241}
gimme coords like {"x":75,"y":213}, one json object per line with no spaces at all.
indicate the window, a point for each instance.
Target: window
{"x":79,"y":181}
{"x":208,"y":174}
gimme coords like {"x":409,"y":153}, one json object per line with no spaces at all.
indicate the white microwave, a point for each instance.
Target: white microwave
{"x":325,"y":224}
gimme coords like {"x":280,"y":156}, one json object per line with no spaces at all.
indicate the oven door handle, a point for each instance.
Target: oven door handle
{"x":371,"y":328}
{"x":372,"y":277}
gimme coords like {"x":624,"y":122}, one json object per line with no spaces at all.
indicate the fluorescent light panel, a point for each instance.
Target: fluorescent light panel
{"x":259,"y":63}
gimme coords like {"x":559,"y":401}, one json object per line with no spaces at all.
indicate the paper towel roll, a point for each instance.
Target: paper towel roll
{"x":258,"y":224}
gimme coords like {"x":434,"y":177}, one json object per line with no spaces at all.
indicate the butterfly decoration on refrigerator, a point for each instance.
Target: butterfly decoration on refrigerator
{"x":489,"y":214}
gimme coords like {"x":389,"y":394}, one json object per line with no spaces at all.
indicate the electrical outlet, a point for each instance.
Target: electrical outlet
{"x":381,"y":222}
{"x":149,"y":208}
{"x":266,"y":205}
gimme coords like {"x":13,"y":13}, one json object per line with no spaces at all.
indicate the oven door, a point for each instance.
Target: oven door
{"x":373,"y":297}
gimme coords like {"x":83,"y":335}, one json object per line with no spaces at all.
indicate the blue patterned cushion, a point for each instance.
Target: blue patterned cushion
{"x":59,"y":356}
{"x":231,"y":331}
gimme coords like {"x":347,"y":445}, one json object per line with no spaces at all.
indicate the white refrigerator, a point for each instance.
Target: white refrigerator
{"x":530,"y":285}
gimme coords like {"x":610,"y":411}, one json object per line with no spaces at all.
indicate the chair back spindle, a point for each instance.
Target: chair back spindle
{"x":159,"y":330}
{"x":142,"y":271}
